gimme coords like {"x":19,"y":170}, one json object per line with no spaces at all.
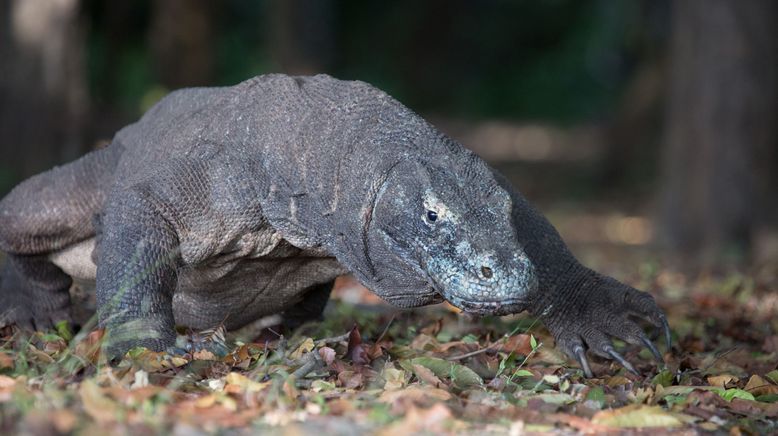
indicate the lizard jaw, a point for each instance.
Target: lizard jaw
{"x":499,"y":308}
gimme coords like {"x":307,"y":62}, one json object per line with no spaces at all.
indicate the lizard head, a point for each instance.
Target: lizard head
{"x":454,"y":229}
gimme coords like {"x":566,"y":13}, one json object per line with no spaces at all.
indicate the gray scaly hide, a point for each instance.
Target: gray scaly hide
{"x":235,"y":203}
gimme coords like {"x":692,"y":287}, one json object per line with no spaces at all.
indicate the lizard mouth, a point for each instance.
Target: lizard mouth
{"x":498,"y":308}
{"x":506,"y":306}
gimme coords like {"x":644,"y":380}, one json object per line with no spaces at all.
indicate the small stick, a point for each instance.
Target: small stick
{"x":311,"y":360}
{"x":472,"y":353}
{"x":333,"y":340}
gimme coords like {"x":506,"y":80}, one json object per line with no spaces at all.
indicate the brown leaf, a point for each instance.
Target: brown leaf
{"x":416,"y":394}
{"x":517,"y":344}
{"x":759,"y":386}
{"x":63,"y":420}
{"x":204,"y":355}
{"x":327,"y":354}
{"x":98,"y":405}
{"x":754,"y":408}
{"x":89,"y":348}
{"x":6,"y":361}
{"x":7,"y":382}
{"x":638,"y":416}
{"x":356,"y":351}
{"x":427,"y":376}
{"x":581,"y":424}
{"x":305,"y":347}
{"x":359,"y":355}
{"x":721,"y":380}
{"x":433,"y":328}
{"x":350,"y":379}
{"x":422,"y":421}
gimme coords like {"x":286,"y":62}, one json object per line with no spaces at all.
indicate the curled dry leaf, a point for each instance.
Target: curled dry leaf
{"x":327,"y":355}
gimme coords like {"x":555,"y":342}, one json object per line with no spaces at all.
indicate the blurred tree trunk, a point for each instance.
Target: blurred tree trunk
{"x":302,"y":35}
{"x":181,"y":40}
{"x":720,"y":126}
{"x":43,"y":85}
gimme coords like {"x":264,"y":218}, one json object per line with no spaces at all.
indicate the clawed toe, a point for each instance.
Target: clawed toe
{"x":619,"y":358}
{"x":580,"y":355}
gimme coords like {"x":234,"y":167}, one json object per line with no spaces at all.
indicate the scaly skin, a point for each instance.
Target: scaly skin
{"x":236,"y":203}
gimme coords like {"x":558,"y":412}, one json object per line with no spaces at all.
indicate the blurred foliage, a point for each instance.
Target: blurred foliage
{"x":556,"y":60}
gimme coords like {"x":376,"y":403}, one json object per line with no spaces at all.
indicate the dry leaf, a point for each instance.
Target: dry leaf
{"x":395,"y":378}
{"x":758,"y":386}
{"x":204,"y":355}
{"x":721,"y":380}
{"x":98,"y":405}
{"x":426,"y":375}
{"x":7,"y":382}
{"x":305,"y":347}
{"x":327,"y":355}
{"x":415,"y":393}
{"x":638,"y":416}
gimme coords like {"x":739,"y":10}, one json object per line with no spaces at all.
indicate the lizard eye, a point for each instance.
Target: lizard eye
{"x":432,"y":216}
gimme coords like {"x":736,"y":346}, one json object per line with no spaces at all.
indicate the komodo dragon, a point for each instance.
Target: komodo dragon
{"x":235,"y":203}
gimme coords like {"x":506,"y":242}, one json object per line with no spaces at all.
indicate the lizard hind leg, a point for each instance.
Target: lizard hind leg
{"x":45,"y":214}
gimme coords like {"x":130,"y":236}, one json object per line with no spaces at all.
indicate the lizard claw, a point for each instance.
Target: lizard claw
{"x":619,"y":358}
{"x":580,"y":355}
{"x":668,"y":336}
{"x":652,"y":348}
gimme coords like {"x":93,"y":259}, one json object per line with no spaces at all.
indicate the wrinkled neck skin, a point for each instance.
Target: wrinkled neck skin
{"x":321,"y":177}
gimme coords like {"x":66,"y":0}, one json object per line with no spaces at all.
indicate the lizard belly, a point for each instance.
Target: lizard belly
{"x":229,"y":289}
{"x":245,"y":290}
{"x":76,"y":260}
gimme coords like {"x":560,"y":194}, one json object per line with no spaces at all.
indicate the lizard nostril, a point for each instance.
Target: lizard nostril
{"x":487,"y":272}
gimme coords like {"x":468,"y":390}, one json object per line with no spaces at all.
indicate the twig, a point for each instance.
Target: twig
{"x":472,"y":353}
{"x":310,"y":361}
{"x":386,"y":329}
{"x":333,"y":340}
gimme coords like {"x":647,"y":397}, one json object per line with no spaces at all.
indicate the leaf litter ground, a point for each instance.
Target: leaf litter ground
{"x":368,"y":368}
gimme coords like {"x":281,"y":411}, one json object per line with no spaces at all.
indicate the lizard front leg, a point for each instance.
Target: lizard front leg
{"x":582,"y":308}
{"x":585,"y":309}
{"x":137,"y":273}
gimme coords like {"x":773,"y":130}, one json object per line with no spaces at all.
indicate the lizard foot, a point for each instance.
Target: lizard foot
{"x":33,"y":319}
{"x":585,"y":319}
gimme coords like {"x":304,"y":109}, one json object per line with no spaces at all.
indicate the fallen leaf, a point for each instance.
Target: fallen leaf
{"x":731,"y":394}
{"x":517,"y":344}
{"x":245,"y":384}
{"x":6,"y":382}
{"x":721,"y":380}
{"x":89,"y":348}
{"x":415,"y":393}
{"x":758,"y":386}
{"x":426,"y":375}
{"x":64,"y":420}
{"x":638,"y":416}
{"x":460,"y":375}
{"x":204,"y":355}
{"x":6,"y":361}
{"x":395,"y":378}
{"x":96,"y":404}
{"x":356,"y":350}
{"x":305,"y":347}
{"x":327,"y":355}
{"x":772,"y":376}
{"x":421,"y":421}
{"x":350,"y":379}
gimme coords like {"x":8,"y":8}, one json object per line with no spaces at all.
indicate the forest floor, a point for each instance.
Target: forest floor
{"x":369,"y":368}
